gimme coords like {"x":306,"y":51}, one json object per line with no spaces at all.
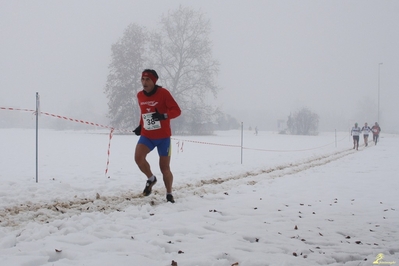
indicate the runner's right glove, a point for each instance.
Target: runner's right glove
{"x":137,"y":131}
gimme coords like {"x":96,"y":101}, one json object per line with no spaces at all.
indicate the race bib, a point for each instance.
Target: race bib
{"x":149,"y":123}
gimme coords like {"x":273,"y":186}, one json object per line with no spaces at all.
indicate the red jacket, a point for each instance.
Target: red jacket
{"x":376,"y":130}
{"x":163,"y":101}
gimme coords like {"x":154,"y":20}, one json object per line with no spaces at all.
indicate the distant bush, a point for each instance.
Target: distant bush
{"x":303,"y":122}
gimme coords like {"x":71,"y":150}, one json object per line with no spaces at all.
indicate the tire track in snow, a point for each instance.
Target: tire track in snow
{"x":42,"y":212}
{"x":274,"y":172}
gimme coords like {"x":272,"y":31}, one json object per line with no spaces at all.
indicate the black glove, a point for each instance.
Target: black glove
{"x":137,"y":131}
{"x":157,"y":116}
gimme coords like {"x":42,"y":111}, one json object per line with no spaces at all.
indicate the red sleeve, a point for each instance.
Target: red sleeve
{"x":173,"y":109}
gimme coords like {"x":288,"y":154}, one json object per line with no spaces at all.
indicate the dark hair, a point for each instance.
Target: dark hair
{"x":152,"y":71}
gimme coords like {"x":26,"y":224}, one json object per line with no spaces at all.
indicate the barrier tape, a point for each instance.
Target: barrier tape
{"x":74,"y":120}
{"x":16,"y":109}
{"x":315,"y":148}
{"x":180,"y":148}
{"x":208,"y":143}
{"x":109,"y":150}
{"x":255,"y":149}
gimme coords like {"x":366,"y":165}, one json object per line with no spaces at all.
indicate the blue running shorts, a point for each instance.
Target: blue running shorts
{"x":163,"y":145}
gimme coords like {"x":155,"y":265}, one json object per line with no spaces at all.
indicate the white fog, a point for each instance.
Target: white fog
{"x":275,"y":57}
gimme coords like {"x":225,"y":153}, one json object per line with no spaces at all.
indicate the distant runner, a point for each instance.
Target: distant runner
{"x":376,"y":132}
{"x":366,"y":130}
{"x":355,"y":132}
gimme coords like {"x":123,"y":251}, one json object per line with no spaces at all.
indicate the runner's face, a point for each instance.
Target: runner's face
{"x":147,"y":83}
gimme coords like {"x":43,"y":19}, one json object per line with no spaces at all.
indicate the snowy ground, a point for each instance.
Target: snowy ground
{"x":294,"y":200}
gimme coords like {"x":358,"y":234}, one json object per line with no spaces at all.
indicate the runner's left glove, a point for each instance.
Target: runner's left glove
{"x":158,"y":116}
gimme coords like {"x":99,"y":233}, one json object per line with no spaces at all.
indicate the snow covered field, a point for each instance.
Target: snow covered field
{"x":294,"y":200}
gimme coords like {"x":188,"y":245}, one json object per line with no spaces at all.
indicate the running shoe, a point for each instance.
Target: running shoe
{"x":148,"y":186}
{"x":170,"y":198}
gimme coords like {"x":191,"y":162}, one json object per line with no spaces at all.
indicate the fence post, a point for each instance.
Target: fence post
{"x":242,"y":139}
{"x":335,"y":138}
{"x":37,"y":135}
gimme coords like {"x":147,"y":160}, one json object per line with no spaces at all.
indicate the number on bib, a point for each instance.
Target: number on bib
{"x":149,"y":123}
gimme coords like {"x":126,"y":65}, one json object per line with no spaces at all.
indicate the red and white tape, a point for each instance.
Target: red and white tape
{"x":74,"y":120}
{"x":179,"y":141}
{"x":109,"y":150}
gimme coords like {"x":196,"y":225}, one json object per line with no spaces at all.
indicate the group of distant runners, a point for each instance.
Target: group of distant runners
{"x":357,"y":131}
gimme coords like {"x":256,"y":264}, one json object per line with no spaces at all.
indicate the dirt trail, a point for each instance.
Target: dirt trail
{"x":45,"y":212}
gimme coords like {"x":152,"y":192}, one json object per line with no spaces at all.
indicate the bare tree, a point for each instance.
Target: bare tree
{"x":123,"y":81}
{"x":181,"y":51}
{"x":303,"y":122}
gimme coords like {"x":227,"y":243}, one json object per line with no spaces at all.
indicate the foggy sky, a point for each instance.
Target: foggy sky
{"x":276,"y":56}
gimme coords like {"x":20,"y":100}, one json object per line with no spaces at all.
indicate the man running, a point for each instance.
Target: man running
{"x":157,"y":108}
{"x":376,"y":132}
{"x":366,"y":130}
{"x":355,"y":132}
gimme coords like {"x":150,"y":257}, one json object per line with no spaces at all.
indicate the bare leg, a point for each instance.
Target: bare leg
{"x":164,"y":165}
{"x":141,"y":161}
